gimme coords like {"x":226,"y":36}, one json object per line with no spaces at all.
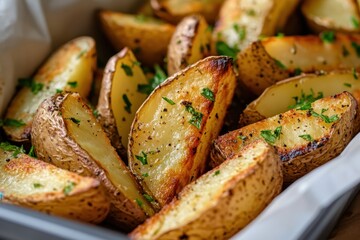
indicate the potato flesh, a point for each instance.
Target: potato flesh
{"x":123,"y":84}
{"x":90,"y":136}
{"x":332,"y":14}
{"x":310,"y":53}
{"x":176,"y":149}
{"x":256,"y":17}
{"x":74,"y":62}
{"x":279,"y":97}
{"x":206,"y":208}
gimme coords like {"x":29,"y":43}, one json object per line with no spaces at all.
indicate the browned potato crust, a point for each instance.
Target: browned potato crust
{"x":31,"y":183}
{"x":170,"y":136}
{"x":70,"y":68}
{"x":175,"y":10}
{"x":222,"y":201}
{"x":147,"y":37}
{"x":304,"y":139}
{"x":189,"y":44}
{"x":66,"y":133}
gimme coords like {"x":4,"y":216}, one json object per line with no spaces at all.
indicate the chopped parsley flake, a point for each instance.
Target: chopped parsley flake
{"x":217,"y":172}
{"x":30,"y":83}
{"x":148,"y":198}
{"x":356,"y":48}
{"x":345,"y":52}
{"x":127,"y":103}
{"x":59,"y":90}
{"x":37,"y":185}
{"x":68,"y":188}
{"x":306,"y":137}
{"x":159,"y":77}
{"x":12,"y":148}
{"x":355,"y":22}
{"x":207,"y":93}
{"x":171,"y":102}
{"x":304,"y":101}
{"x":270,"y":136}
{"x":241,"y":31}
{"x":81,"y":54}
{"x":347,"y":85}
{"x":327,"y":36}
{"x":127,"y":69}
{"x":326,"y":119}
{"x":242,"y":137}
{"x":139,"y":202}
{"x":251,"y":12}
{"x":75,"y":120}
{"x":143,"y":158}
{"x":196,"y":118}
{"x":73,"y":84}
{"x":32,"y":152}
{"x":223,"y":49}
{"x":280,"y":35}
{"x":9,"y":122}
{"x":96,"y":113}
{"x":280,"y":64}
{"x":145,"y":174}
{"x":297,"y":71}
{"x":355,"y":75}
{"x":141,"y":18}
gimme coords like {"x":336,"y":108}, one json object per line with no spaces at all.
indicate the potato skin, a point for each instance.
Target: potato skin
{"x":189,"y":43}
{"x":299,"y":156}
{"x":53,"y":143}
{"x":210,"y":208}
{"x":176,"y":149}
{"x":147,"y":39}
{"x":86,"y":201}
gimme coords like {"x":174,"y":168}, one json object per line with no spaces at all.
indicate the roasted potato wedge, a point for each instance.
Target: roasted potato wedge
{"x":222,"y":201}
{"x":298,"y":91}
{"x":170,"y":136}
{"x":244,"y":21}
{"x":175,"y":10}
{"x":119,"y":98}
{"x":189,"y":44}
{"x":304,"y":139}
{"x":273,"y":59}
{"x":339,"y":15}
{"x":66,"y":133}
{"x":32,"y":183}
{"x":71,"y":68}
{"x":147,"y":37}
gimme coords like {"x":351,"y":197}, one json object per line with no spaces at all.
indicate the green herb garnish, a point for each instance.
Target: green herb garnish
{"x":207,"y":93}
{"x":297,"y":71}
{"x":279,"y":64}
{"x":37,"y":185}
{"x":81,"y":54}
{"x":327,"y":36}
{"x":159,"y":77}
{"x":251,"y":12}
{"x":12,"y":148}
{"x":68,"y":188}
{"x":9,"y":122}
{"x":59,"y":90}
{"x":139,"y":202}
{"x":355,"y":22}
{"x":75,"y":120}
{"x":143,"y":158}
{"x":30,"y":83}
{"x":347,"y":85}
{"x":171,"y":102}
{"x":355,"y":75}
{"x":280,"y":35}
{"x":241,"y":31}
{"x":32,"y":152}
{"x":217,"y":172}
{"x":270,"y":136}
{"x":196,"y":117}
{"x":304,"y":101}
{"x":127,"y":69}
{"x":73,"y":84}
{"x":223,"y":49}
{"x":326,"y":119}
{"x":145,"y":174}
{"x":306,"y":137}
{"x":356,"y":48}
{"x":242,"y":137}
{"x":96,"y":113}
{"x":127,"y":103}
{"x":148,"y":198}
